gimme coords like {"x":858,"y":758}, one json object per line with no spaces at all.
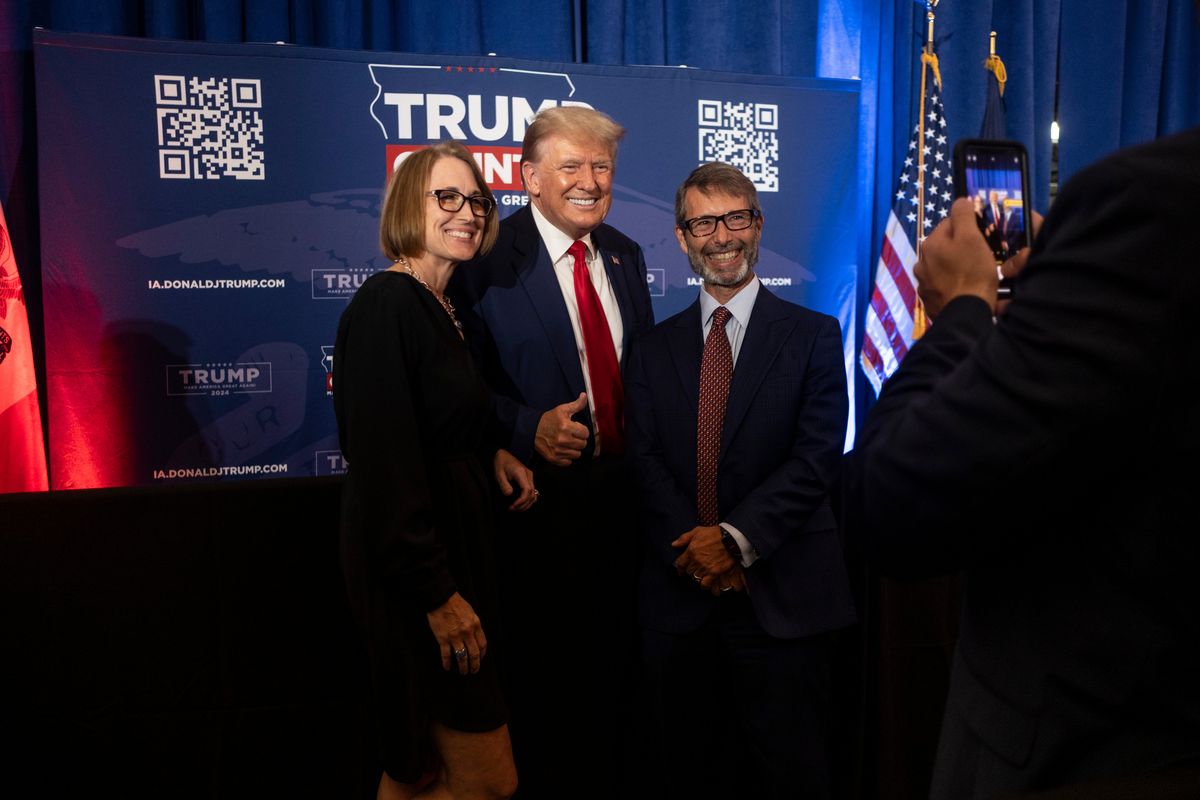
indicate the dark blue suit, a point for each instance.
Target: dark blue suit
{"x":781,"y":441}
{"x":995,"y":221}
{"x":517,"y":323}
{"x":1014,"y":230}
{"x":569,"y":565}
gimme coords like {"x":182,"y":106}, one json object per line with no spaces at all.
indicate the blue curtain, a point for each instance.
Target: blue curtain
{"x":536,"y":29}
{"x":770,"y":38}
{"x":1130,"y":72}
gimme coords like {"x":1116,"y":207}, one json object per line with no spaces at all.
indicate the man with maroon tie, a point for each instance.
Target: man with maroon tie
{"x":550,"y":313}
{"x":735,"y":418}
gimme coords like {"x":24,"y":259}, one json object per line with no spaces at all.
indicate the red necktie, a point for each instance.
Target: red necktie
{"x":716,"y":371}
{"x":608,"y":395}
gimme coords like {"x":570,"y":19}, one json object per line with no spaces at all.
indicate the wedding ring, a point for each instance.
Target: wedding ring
{"x":460,"y":654}
{"x":696,"y":577}
{"x":535,"y":494}
{"x":726,"y":588}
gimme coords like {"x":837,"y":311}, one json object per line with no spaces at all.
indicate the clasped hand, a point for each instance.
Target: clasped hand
{"x":707,"y":562}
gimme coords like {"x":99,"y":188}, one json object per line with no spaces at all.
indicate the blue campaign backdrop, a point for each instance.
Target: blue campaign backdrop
{"x":1119,"y":71}
{"x":208,"y":209}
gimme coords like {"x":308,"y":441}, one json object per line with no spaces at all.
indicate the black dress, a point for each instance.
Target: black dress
{"x":413,"y":421}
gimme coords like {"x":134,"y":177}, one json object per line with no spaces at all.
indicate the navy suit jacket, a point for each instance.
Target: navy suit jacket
{"x":785,"y":422}
{"x":516,"y":322}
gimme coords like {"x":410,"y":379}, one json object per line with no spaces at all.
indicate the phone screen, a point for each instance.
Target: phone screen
{"x":994,"y":177}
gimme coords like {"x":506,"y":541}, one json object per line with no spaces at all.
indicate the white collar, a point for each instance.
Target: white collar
{"x":740,"y":306}
{"x":557,"y":243}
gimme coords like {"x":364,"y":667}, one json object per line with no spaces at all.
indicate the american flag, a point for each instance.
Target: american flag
{"x":923,"y":196}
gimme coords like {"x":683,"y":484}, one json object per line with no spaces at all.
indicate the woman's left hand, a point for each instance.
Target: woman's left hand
{"x":511,"y":472}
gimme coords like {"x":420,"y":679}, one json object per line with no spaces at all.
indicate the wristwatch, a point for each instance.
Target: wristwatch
{"x":731,"y":545}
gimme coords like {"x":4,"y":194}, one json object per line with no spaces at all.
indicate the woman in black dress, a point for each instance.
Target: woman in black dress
{"x":415,"y":426}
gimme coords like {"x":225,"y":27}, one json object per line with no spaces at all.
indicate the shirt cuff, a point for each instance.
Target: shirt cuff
{"x":749,"y":554}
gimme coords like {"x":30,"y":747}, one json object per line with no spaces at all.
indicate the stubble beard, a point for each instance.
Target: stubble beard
{"x":726,"y":279}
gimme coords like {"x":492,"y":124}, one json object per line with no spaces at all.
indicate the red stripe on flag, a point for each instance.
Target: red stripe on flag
{"x":899,"y":346}
{"x":896,"y":269}
{"x":873,"y":358}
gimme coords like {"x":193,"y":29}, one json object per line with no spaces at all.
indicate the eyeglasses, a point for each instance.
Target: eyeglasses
{"x":450,"y":200}
{"x":734,"y":221}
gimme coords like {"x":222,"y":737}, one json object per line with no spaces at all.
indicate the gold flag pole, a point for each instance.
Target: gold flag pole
{"x":928,"y":61}
{"x":994,"y":64}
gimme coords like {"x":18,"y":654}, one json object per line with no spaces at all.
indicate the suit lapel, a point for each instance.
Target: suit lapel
{"x":535,"y":270}
{"x":686,"y":343}
{"x":618,"y":275}
{"x":769,"y":329}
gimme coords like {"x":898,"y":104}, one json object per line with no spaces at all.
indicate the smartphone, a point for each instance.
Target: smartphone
{"x":994,"y":175}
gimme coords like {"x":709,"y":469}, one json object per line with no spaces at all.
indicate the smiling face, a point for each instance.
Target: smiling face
{"x":451,"y":236}
{"x":571,"y":183}
{"x":723,"y":258}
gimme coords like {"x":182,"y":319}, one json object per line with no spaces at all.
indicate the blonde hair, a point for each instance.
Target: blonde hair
{"x":402,"y":218}
{"x":570,"y":122}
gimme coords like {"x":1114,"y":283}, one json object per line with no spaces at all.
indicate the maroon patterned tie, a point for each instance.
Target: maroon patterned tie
{"x":716,"y":370}
{"x":607,"y":392}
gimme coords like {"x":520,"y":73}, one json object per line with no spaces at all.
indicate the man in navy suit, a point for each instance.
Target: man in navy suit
{"x":1050,"y":454}
{"x":744,"y":575}
{"x":550,"y":313}
{"x":1014,"y":229}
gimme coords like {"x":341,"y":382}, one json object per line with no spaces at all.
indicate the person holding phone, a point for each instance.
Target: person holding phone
{"x":415,"y":424}
{"x":1048,"y":453}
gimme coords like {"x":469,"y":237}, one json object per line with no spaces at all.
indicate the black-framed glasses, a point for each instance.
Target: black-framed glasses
{"x":734,"y":221}
{"x":450,"y":200}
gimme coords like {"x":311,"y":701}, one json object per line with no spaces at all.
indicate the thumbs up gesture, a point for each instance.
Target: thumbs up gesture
{"x":560,"y":439}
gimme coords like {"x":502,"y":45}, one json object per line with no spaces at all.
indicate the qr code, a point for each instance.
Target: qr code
{"x":744,"y":135}
{"x":209,"y":128}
